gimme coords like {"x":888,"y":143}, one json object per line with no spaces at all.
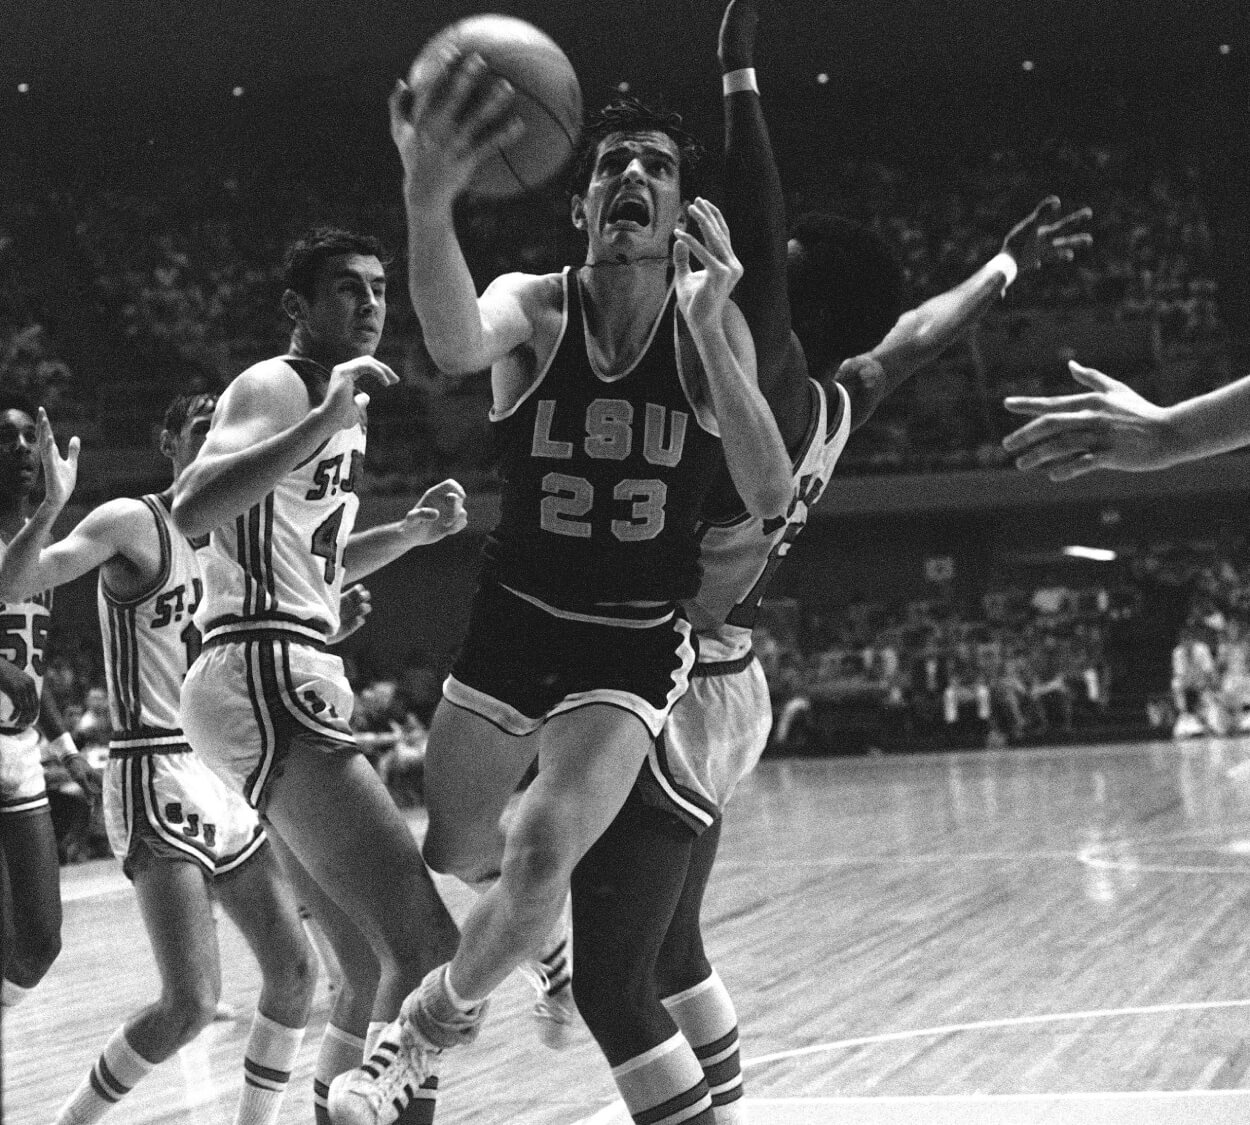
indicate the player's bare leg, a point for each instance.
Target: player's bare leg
{"x":260,"y":902}
{"x":345,"y":1042}
{"x":334,"y":813}
{"x":34,"y":896}
{"x":588,"y":762}
{"x":472,"y":769}
{"x":694,"y":994}
{"x":178,"y":916}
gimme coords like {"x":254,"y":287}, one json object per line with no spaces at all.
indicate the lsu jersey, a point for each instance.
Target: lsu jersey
{"x":278,"y":567}
{"x":604,"y":476}
{"x":151,"y":640}
{"x":23,"y":639}
{"x":741,"y":554}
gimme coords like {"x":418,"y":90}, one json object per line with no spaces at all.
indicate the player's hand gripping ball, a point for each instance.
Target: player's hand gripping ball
{"x":548,"y":98}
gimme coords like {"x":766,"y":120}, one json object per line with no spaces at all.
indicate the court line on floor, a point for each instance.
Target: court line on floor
{"x":610,"y":1114}
{"x":1151,"y":1107}
{"x":992,"y":1025}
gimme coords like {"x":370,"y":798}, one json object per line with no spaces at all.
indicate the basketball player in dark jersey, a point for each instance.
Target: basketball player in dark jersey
{"x":648,"y":872}
{"x":30,"y":874}
{"x":612,"y":385}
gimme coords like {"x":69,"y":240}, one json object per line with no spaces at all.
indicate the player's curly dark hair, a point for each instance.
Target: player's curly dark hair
{"x":626,"y":114}
{"x":846,"y":288}
{"x":308,"y":253}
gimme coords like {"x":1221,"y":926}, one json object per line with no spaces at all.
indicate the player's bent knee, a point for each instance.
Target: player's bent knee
{"x":37,"y":949}
{"x":188,"y":1009}
{"x":297,"y":977}
{"x":682,"y":969}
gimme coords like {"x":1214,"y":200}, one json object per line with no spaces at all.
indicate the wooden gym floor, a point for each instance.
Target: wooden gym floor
{"x":1032,"y":936}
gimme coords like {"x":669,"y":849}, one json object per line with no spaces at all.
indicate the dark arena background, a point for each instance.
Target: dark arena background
{"x":993,"y":865}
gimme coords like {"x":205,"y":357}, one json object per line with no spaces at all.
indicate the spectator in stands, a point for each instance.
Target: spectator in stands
{"x":1194,"y":683}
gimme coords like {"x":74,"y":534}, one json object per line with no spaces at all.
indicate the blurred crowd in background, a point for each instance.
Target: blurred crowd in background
{"x":144,"y":275}
{"x":114,"y":286}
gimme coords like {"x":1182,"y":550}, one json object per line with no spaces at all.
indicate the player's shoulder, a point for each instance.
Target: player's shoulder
{"x":536,"y":289}
{"x":272,"y":386}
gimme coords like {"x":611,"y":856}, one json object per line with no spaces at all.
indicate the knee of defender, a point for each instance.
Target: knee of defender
{"x":610,"y":1000}
{"x":188,"y":1010}
{"x":678,"y":970}
{"x":37,"y":950}
{"x":297,"y":979}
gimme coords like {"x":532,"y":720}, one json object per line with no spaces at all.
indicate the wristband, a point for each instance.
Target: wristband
{"x":740,"y":81}
{"x":1005,"y":264}
{"x":62,"y":747}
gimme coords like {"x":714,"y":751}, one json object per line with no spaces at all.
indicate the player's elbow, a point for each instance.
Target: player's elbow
{"x":452,"y":356}
{"x":768,"y":498}
{"x":189,"y":513}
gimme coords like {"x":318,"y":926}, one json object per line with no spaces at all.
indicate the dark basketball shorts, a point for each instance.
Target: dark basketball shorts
{"x":523,"y":661}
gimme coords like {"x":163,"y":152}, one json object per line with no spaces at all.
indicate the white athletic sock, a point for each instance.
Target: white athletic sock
{"x":116,"y":1072}
{"x":11,"y":995}
{"x":339,"y":1051}
{"x":665,"y":1086}
{"x":267,"y":1062}
{"x":705,"y":1013}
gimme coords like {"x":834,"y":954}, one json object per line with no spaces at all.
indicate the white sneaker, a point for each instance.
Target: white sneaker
{"x":554,"y":1009}
{"x":376,"y":1092}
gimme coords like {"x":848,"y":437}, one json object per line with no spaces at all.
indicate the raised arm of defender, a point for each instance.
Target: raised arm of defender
{"x":922,"y":334}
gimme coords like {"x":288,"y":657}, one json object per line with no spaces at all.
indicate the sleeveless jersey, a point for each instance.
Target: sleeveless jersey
{"x":151,"y":640}
{"x":741,"y":554}
{"x":279,"y":566}
{"x":603,"y":478}
{"x":23,"y":638}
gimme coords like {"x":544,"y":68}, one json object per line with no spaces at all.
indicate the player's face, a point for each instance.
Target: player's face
{"x":187,"y":444}
{"x":633,"y":203}
{"x":19,"y":453}
{"x":346,"y":316}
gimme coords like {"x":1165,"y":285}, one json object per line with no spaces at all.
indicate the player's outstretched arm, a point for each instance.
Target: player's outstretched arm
{"x":33,"y":564}
{"x":443,"y":132}
{"x":262,"y":428}
{"x":1111,"y":426}
{"x":754,"y":451}
{"x":925,"y":332}
{"x":754,"y":202}
{"x":438,"y":514}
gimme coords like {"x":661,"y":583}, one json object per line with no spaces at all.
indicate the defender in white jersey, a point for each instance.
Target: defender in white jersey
{"x":648,"y":873}
{"x":30,"y":877}
{"x":171,"y":821}
{"x":274,"y":489}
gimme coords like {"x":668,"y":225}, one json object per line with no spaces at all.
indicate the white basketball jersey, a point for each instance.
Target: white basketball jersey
{"x":150,"y":641}
{"x":741,"y":555}
{"x":279,"y":566}
{"x":23,"y":638}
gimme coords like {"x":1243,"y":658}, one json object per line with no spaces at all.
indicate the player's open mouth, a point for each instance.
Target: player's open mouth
{"x":629,"y":209}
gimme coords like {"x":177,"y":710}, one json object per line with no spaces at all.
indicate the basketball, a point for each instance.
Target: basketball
{"x":548,"y":99}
